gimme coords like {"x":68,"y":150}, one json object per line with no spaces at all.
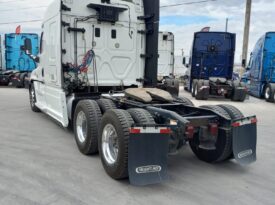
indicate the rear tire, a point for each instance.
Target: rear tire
{"x":115,"y":162}
{"x":141,"y":116}
{"x":239,"y":96}
{"x":33,"y":99}
{"x":269,"y":93}
{"x":202,"y":94}
{"x":87,"y":119}
{"x":105,"y":105}
{"x":185,"y":101}
{"x":223,"y":144}
{"x":22,"y":77}
{"x":235,"y":114}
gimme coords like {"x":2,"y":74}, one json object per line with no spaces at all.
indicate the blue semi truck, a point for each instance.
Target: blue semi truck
{"x":18,"y":64}
{"x":211,"y":67}
{"x":260,"y":75}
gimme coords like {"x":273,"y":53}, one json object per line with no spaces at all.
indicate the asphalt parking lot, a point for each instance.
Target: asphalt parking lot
{"x":40,"y":164}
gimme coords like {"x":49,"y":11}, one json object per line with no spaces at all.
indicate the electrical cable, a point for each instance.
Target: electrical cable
{"x":16,"y":22}
{"x":186,"y":3}
{"x":25,"y":8}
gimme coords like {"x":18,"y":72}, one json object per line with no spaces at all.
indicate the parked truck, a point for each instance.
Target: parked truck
{"x":260,"y":75}
{"x":166,"y":61}
{"x":98,"y":73}
{"x":18,"y":64}
{"x":211,"y":67}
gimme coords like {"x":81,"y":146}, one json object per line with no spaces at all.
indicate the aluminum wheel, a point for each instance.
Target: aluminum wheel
{"x":81,"y":126}
{"x":110,"y":144}
{"x":196,"y":90}
{"x":267,"y":93}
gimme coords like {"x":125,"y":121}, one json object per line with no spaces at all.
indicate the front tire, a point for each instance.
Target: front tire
{"x":87,"y":119}
{"x":32,"y":97}
{"x":113,"y":142}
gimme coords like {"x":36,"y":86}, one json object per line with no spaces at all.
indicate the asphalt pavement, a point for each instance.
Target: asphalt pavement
{"x":40,"y":164}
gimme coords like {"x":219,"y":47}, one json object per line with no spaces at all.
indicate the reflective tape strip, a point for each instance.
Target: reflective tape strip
{"x":244,"y":122}
{"x":148,"y":130}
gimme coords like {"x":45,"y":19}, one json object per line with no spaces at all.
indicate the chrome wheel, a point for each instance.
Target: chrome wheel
{"x":196,"y":90}
{"x":267,"y":93}
{"x":81,"y":127}
{"x":110,"y":144}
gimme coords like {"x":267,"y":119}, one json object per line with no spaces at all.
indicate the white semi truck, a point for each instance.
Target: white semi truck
{"x":98,"y":72}
{"x":166,"y":49}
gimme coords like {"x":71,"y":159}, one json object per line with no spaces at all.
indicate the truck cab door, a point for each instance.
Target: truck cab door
{"x":55,"y":99}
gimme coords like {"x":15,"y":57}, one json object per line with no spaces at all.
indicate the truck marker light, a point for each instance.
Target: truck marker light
{"x":213,"y":128}
{"x":165,"y":131}
{"x":190,"y":131}
{"x":236,"y":124}
{"x":245,"y":122}
{"x":134,"y":131}
{"x":254,"y":120}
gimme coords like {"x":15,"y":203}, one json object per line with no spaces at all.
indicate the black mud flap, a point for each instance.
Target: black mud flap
{"x":245,"y":140}
{"x":147,"y":155}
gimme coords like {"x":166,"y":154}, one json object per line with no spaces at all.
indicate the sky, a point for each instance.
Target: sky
{"x":183,"y":20}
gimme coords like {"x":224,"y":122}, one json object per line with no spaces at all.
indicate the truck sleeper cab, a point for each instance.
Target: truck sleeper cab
{"x":166,"y":63}
{"x":18,"y":64}
{"x":261,"y":68}
{"x":98,"y":72}
{"x":212,"y":62}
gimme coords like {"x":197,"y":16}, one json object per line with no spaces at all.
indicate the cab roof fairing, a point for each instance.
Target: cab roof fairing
{"x":80,"y":9}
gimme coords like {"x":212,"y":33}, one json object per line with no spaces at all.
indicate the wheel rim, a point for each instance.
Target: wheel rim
{"x":196,"y":91}
{"x":110,"y":144}
{"x":32,"y":97}
{"x":267,"y":93}
{"x":81,"y":126}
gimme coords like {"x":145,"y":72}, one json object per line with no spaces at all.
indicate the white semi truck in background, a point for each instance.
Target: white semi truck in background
{"x":166,"y":50}
{"x":98,"y":73}
{"x":171,"y":68}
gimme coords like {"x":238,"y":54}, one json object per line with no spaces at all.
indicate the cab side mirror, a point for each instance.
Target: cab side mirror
{"x":37,"y":59}
{"x":27,"y":47}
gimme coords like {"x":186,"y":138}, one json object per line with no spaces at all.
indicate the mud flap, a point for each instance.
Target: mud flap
{"x":245,"y":140}
{"x":147,"y":155}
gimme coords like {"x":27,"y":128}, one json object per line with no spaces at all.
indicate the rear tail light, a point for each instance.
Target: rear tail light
{"x":190,"y":131}
{"x":165,"y":131}
{"x":214,"y":129}
{"x":134,"y":130}
{"x":254,"y":120}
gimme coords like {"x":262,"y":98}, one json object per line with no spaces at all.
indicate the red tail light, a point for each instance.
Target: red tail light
{"x":254,"y":120}
{"x":214,"y":129}
{"x":190,"y":131}
{"x":134,"y":131}
{"x":165,"y":131}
